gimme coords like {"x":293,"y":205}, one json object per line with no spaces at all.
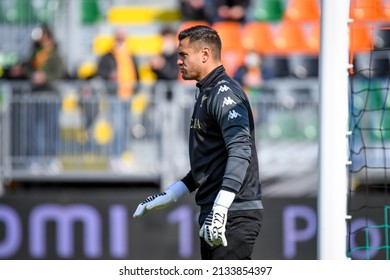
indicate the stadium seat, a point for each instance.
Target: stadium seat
{"x":382,"y":37}
{"x":382,"y":28}
{"x":270,"y":10}
{"x":103,"y":132}
{"x":367,"y":10}
{"x":372,"y":64}
{"x":313,"y":37}
{"x":232,"y":50}
{"x":189,"y":23}
{"x":230,"y":32}
{"x":304,"y":66}
{"x":146,"y":75}
{"x":141,"y":15}
{"x":102,"y":44}
{"x":257,"y":36}
{"x":290,"y":38}
{"x":302,"y":10}
{"x":144,"y":45}
{"x":277,"y":65}
{"x":130,"y":15}
{"x":360,"y":41}
{"x":86,"y":70}
{"x":90,"y":11}
{"x":386,"y":10}
{"x":232,"y":59}
{"x":360,"y":37}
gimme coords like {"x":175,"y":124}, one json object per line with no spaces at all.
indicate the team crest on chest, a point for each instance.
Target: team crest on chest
{"x":204,"y":97}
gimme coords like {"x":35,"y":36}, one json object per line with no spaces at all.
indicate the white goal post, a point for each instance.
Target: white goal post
{"x":333,"y":112}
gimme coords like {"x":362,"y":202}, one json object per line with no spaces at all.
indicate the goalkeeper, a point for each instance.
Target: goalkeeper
{"x":223,"y":157}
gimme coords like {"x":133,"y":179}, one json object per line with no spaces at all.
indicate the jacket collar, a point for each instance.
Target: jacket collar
{"x":206,"y":81}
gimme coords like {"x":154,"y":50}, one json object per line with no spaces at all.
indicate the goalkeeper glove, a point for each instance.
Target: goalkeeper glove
{"x":161,"y":200}
{"x":214,"y":227}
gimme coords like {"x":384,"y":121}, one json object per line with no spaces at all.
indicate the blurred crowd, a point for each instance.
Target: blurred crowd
{"x":119,"y":67}
{"x":253,"y":52}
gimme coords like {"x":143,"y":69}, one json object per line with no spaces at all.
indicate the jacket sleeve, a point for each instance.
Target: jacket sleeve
{"x":230,"y":110}
{"x":189,"y":181}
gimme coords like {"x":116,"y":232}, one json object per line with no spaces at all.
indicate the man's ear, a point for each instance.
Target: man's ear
{"x":206,"y":54}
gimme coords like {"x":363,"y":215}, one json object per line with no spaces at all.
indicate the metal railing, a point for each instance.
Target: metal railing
{"x":83,"y":133}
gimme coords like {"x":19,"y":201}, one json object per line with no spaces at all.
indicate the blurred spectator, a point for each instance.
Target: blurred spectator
{"x":43,"y":68}
{"x":252,"y":73}
{"x":164,"y":65}
{"x":193,"y":10}
{"x":118,"y":66}
{"x":44,"y":65}
{"x":228,"y":10}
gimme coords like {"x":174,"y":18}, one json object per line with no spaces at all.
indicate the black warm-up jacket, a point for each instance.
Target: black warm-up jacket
{"x":222,"y":145}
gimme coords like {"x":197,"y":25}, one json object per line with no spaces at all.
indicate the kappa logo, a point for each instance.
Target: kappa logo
{"x":221,"y":82}
{"x":233,"y":114}
{"x":223,"y":89}
{"x":228,"y":101}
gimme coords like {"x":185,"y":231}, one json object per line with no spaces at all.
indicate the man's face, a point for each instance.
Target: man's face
{"x":189,"y":61}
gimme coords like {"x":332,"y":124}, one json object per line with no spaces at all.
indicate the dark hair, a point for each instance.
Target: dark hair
{"x":167,"y":30}
{"x":203,"y":35}
{"x":46,"y":29}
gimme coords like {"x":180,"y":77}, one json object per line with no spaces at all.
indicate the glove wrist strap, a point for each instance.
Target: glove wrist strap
{"x":178,"y":190}
{"x":225,"y":198}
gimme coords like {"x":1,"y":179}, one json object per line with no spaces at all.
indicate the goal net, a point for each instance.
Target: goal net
{"x":369,"y":145}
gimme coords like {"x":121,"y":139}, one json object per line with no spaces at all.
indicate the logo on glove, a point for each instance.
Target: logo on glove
{"x":153,"y":197}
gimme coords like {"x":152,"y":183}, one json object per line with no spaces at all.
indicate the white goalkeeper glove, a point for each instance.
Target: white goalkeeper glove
{"x":161,"y":200}
{"x":214,"y":227}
